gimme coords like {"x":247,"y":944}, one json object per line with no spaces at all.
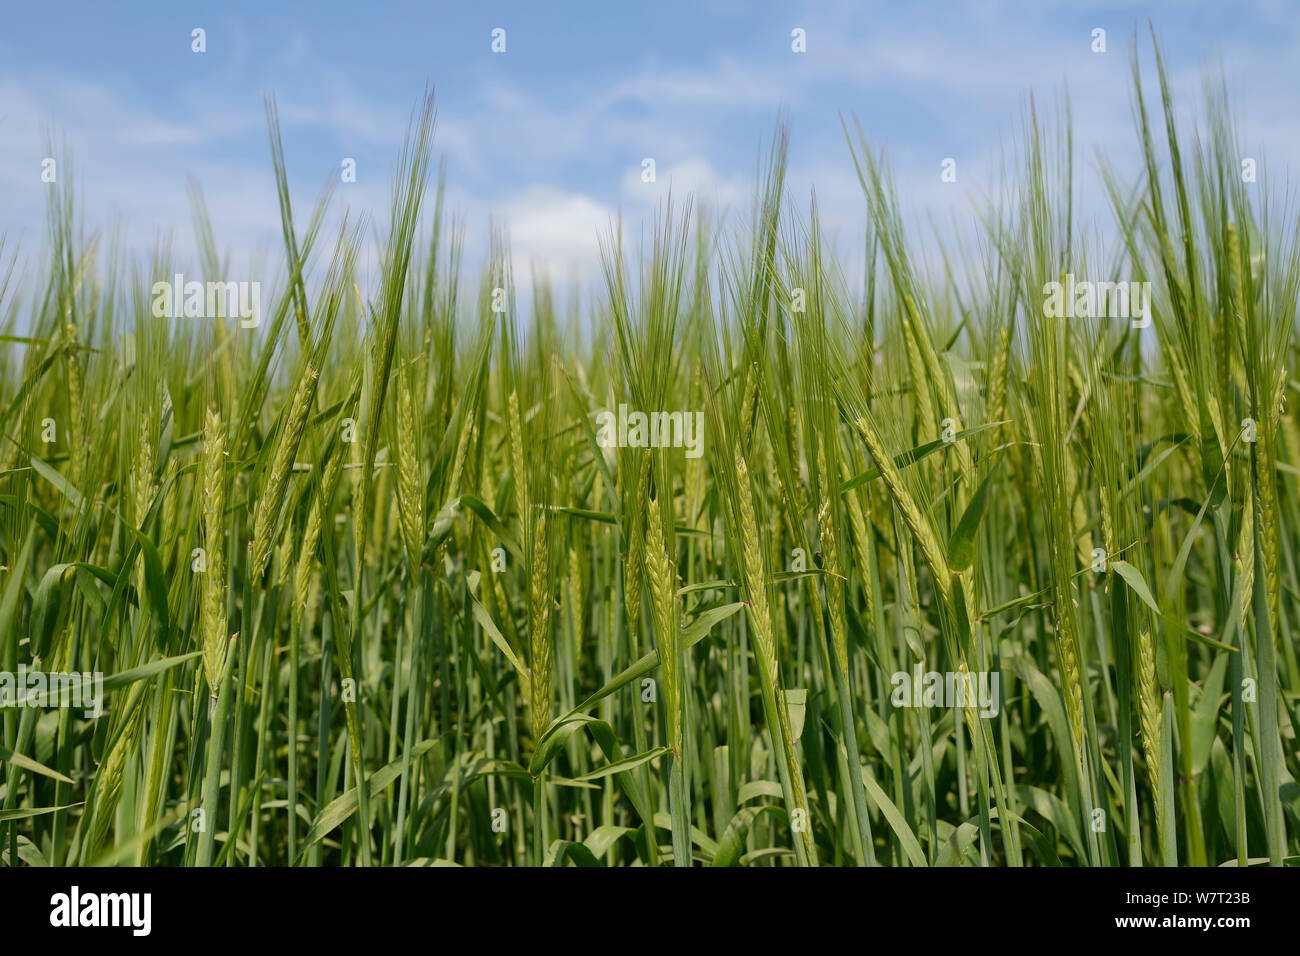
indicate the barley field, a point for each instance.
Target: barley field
{"x":749,"y":556}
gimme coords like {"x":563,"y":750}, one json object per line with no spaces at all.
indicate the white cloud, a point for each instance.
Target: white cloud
{"x":556,"y":232}
{"x":692,"y":177}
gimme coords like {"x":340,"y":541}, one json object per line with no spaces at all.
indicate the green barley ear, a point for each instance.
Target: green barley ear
{"x":755,"y":570}
{"x":519,"y":472}
{"x":311,"y":535}
{"x":575,"y":593}
{"x":468,"y":432}
{"x":282,"y":565}
{"x":634,"y":569}
{"x":1149,"y":703}
{"x":1229,"y":320}
{"x":834,"y":585}
{"x":213,"y":600}
{"x":1079,"y":517}
{"x":997,"y":379}
{"x":410,"y":487}
{"x":760,"y":616}
{"x":748,"y":402}
{"x":272,"y":497}
{"x":853,"y":507}
{"x":539,"y":629}
{"x":1266,"y":457}
{"x":76,"y":388}
{"x":364,"y":465}
{"x":912,"y":514}
{"x":662,"y":579}
{"x":143,"y":477}
{"x":1191,"y":417}
{"x":934,"y":371}
{"x":111,"y":772}
{"x":1245,"y":557}
{"x":926,"y":420}
{"x":1067,"y":650}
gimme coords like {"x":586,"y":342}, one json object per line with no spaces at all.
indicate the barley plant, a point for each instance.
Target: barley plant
{"x":371,"y":584}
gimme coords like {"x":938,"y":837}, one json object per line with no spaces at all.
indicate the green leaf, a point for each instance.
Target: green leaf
{"x":14,"y":590}
{"x":621,"y":766}
{"x":78,"y":681}
{"x":62,"y":484}
{"x":50,"y":606}
{"x":7,"y":815}
{"x":906,"y":838}
{"x":155,"y":587}
{"x":916,"y":454}
{"x":130,"y":676}
{"x":698,"y":837}
{"x":494,"y":634}
{"x":1205,"y":714}
{"x":554,"y":737}
{"x":1133,"y":577}
{"x":691,"y":635}
{"x":605,"y":836}
{"x":344,"y":806}
{"x":796,"y":705}
{"x":957,"y":843}
{"x":27,"y":763}
{"x":1055,"y":811}
{"x":759,"y":788}
{"x":443,"y":524}
{"x":961,"y":546}
{"x":562,"y":850}
{"x":489,"y":518}
{"x":731,"y":845}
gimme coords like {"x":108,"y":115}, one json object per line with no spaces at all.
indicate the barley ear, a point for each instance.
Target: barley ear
{"x":410,"y":487}
{"x":271,"y":500}
{"x":213,"y":601}
{"x":912,"y":514}
{"x":311,"y":534}
{"x":1149,"y":702}
{"x":634,"y":568}
{"x":662,"y":580}
{"x":760,"y":615}
{"x":539,"y":629}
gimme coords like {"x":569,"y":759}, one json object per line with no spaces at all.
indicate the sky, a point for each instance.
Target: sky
{"x":548,"y":137}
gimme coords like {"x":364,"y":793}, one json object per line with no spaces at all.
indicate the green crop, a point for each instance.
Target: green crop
{"x":368,"y":584}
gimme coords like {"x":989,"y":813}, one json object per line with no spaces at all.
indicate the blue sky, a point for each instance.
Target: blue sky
{"x":549,"y":136}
